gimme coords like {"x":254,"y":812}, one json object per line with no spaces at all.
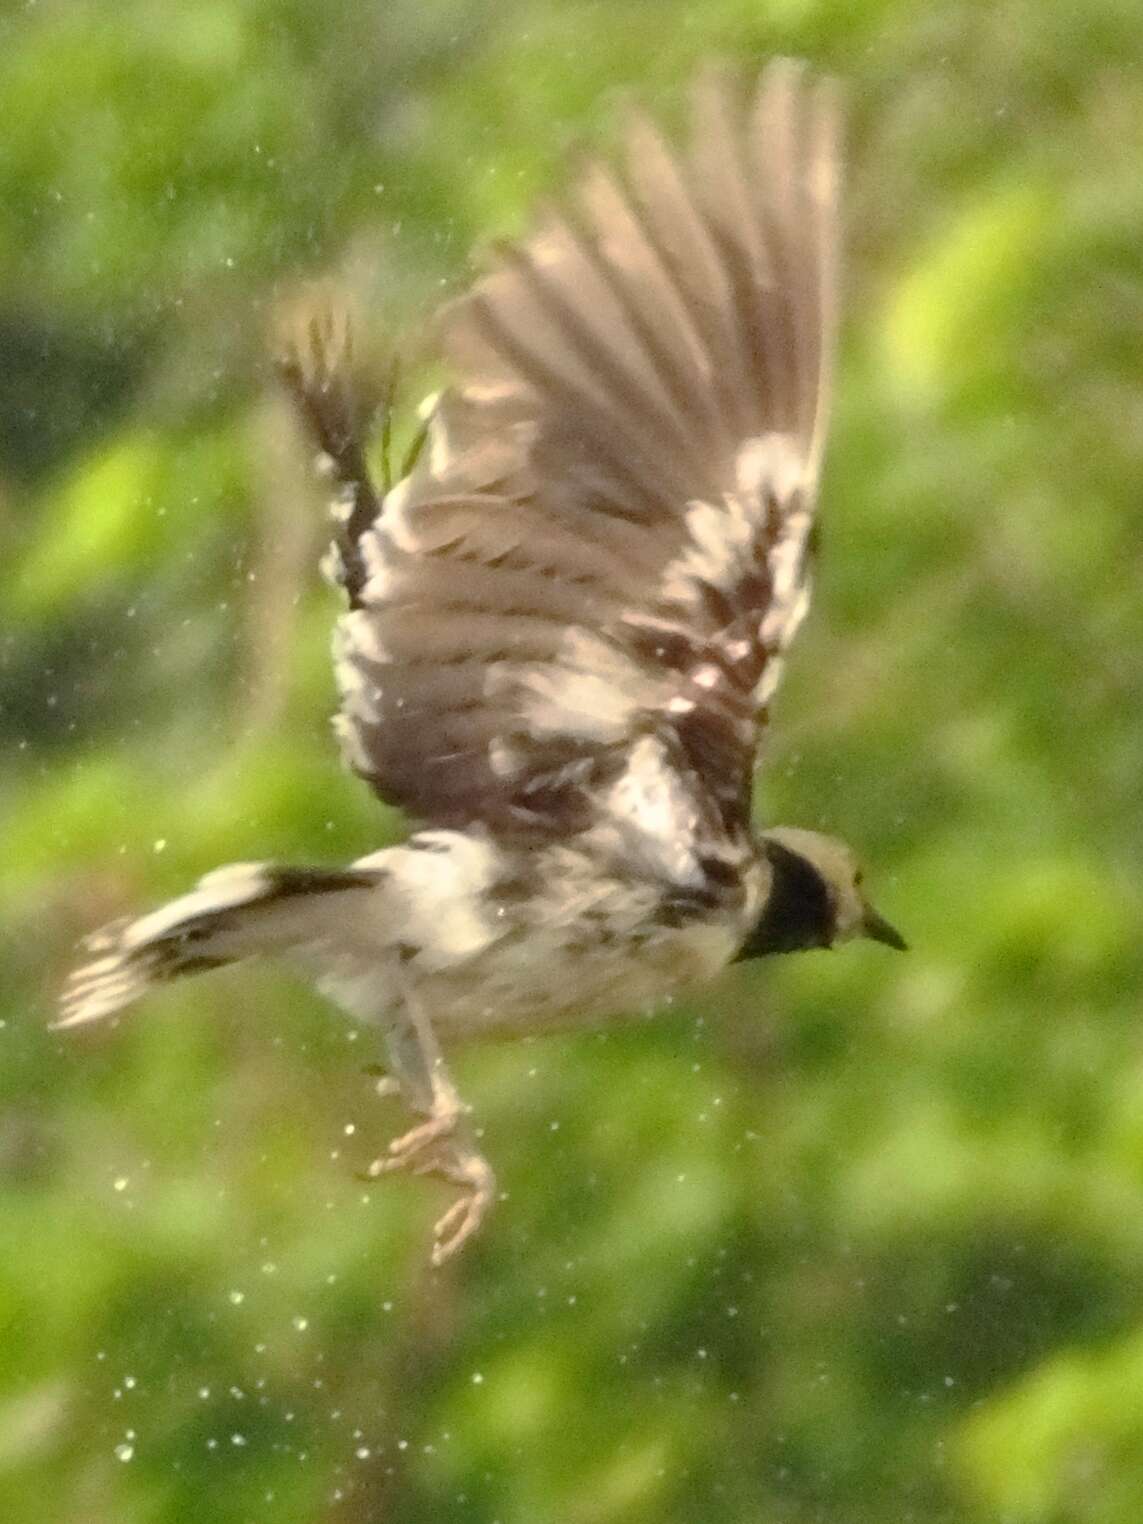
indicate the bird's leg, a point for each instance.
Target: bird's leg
{"x":442,"y":1144}
{"x":434,"y":1095}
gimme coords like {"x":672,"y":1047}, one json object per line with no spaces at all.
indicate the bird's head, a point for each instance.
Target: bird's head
{"x":815,"y":898}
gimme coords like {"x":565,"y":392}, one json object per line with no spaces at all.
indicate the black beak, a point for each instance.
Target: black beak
{"x":879,"y":929}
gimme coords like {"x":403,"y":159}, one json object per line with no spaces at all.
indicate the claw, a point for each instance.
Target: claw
{"x":453,"y":1230}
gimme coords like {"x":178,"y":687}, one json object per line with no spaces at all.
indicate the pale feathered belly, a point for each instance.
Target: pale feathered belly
{"x":541,"y":983}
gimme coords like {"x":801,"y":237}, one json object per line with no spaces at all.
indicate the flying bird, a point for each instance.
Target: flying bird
{"x":565,"y":624}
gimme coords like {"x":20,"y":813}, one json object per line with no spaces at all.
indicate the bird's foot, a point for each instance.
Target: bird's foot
{"x":440,"y":1146}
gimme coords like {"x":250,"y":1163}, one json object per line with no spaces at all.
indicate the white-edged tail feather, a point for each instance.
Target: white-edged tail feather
{"x":235,"y":912}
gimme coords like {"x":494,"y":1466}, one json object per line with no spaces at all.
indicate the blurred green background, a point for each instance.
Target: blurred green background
{"x":859,"y":1239}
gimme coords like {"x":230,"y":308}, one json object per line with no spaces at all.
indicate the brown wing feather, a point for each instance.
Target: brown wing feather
{"x":606,"y":536}
{"x":315,"y":358}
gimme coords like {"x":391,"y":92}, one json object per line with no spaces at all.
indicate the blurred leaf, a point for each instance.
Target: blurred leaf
{"x":947,"y":323}
{"x":105,"y":526}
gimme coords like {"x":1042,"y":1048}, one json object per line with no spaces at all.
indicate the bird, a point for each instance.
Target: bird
{"x":564,"y":623}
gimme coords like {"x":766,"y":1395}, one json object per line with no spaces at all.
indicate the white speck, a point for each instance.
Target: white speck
{"x":349,"y":1129}
{"x":128,"y":1382}
{"x":124,"y":1452}
{"x":161,"y":844}
{"x":204,"y":1392}
{"x":362,"y":1452}
{"x":301,"y":1324}
{"x":238,"y":1439}
{"x":122,"y":1183}
{"x":236,"y":1298}
{"x":477,"y":1378}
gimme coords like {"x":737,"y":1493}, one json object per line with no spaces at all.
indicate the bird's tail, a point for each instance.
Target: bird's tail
{"x":234,"y":913}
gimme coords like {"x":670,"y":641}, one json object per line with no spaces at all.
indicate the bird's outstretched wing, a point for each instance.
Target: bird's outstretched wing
{"x":596,"y":564}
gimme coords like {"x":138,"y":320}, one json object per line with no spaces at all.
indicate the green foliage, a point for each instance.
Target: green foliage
{"x":859,"y":1238}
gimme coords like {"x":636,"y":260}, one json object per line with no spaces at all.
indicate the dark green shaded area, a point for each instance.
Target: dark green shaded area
{"x":859,"y":1238}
